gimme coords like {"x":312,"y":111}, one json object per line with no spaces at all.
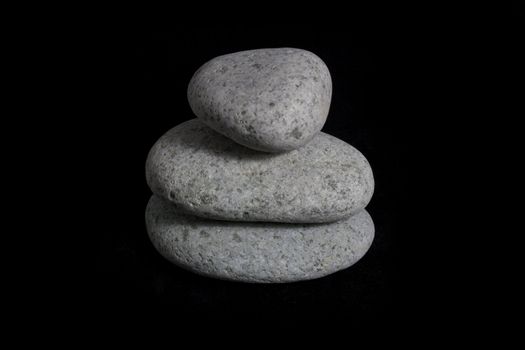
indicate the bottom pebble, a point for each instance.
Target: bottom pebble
{"x":257,"y":252}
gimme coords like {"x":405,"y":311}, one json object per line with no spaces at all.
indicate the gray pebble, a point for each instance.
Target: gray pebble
{"x":257,"y":252}
{"x":270,"y":100}
{"x":209,"y":175}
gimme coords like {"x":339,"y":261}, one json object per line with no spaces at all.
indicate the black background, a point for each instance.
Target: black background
{"x":415,"y":88}
{"x":379,"y":70}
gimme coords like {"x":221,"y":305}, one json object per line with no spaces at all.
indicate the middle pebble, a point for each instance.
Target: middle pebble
{"x":206,"y":174}
{"x":271,"y":100}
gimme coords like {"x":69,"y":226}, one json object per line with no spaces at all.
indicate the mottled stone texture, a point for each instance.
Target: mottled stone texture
{"x":270,"y":100}
{"x":251,"y":190}
{"x":257,"y":252}
{"x":206,"y":174}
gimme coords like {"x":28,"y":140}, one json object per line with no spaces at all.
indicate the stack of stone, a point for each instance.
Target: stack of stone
{"x":251,"y":190}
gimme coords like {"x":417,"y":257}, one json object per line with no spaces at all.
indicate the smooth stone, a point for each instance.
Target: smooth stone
{"x":209,"y":175}
{"x":270,"y":100}
{"x":257,"y":252}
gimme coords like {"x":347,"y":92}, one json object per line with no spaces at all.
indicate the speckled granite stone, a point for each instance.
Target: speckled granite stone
{"x":257,"y":252}
{"x":209,"y":175}
{"x":270,"y":100}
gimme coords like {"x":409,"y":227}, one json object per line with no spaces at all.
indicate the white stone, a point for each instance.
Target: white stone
{"x":257,"y":252}
{"x":209,"y":175}
{"x":270,"y":100}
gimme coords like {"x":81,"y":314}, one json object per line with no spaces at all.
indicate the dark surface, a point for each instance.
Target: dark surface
{"x":375,"y":72}
{"x":414,"y":90}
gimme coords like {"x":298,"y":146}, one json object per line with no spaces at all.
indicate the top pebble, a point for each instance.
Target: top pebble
{"x":271,"y":100}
